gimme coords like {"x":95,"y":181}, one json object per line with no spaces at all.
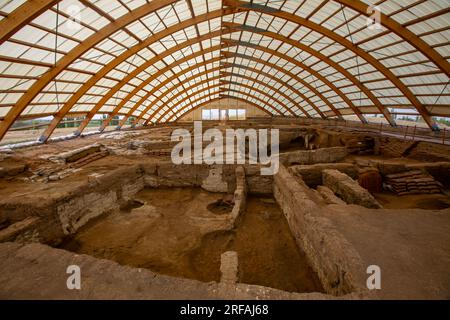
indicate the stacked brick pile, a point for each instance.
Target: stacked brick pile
{"x":88,"y":159}
{"x":413,"y":182}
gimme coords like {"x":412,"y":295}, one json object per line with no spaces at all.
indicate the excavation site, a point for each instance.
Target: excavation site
{"x":234,"y":157}
{"x":140,"y":226}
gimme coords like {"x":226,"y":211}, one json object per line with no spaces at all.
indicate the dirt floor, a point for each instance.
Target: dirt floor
{"x":390,"y":200}
{"x":182,"y":241}
{"x":410,"y":246}
{"x":268,"y":254}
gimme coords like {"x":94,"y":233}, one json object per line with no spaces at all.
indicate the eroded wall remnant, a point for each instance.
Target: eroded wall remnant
{"x":336,"y":262}
{"x":348,"y":189}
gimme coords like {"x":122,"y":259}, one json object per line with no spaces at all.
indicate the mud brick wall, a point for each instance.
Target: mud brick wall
{"x":338,"y":265}
{"x":12,"y":170}
{"x":74,"y":155}
{"x":170,"y":175}
{"x":395,"y":148}
{"x":325,"y":155}
{"x":312,"y":174}
{"x":439,"y":170}
{"x":348,"y":189}
{"x":419,"y":150}
{"x":76,"y":212}
{"x":22,"y":229}
{"x":430,"y":152}
{"x":63,"y":214}
{"x":26,"y":269}
{"x":240,"y":194}
{"x":256,"y":183}
{"x":104,"y":194}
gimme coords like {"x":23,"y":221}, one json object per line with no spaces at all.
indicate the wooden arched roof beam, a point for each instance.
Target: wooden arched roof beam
{"x":195,"y":85}
{"x":187,"y":98}
{"x":225,"y":92}
{"x":218,"y":99}
{"x":76,"y":53}
{"x":209,"y":87}
{"x":230,"y":28}
{"x":221,"y":97}
{"x":318,"y":55}
{"x":167,"y":103}
{"x":143,"y":67}
{"x":22,"y":15}
{"x":271,"y":77}
{"x":293,"y":76}
{"x":233,"y":27}
{"x":345,"y":73}
{"x":67,"y":107}
{"x":33,"y":8}
{"x":91,"y":114}
{"x":158,"y":87}
{"x":193,"y":67}
{"x":356,"y":5}
{"x":246,"y":6}
{"x":121,"y":58}
{"x":231,"y":43}
{"x":142,"y":100}
{"x":170,"y":51}
{"x":402,"y":32}
{"x":196,"y":66}
{"x":298,"y":64}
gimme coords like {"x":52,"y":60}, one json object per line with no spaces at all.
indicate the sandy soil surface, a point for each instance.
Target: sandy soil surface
{"x":410,"y":246}
{"x":420,"y":201}
{"x":182,"y":242}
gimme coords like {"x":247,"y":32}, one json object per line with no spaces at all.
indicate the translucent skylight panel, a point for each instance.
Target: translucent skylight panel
{"x":199,"y":7}
{"x":167,"y":15}
{"x":388,"y":55}
{"x":124,"y":39}
{"x":9,"y":6}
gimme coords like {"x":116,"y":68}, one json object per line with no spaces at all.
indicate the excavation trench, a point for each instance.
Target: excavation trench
{"x":178,"y":233}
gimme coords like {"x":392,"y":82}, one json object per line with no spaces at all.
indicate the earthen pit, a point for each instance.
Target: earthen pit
{"x":187,"y":242}
{"x":331,"y":255}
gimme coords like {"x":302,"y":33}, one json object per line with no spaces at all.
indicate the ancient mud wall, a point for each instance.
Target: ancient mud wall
{"x":61,"y":214}
{"x":336,"y":262}
{"x":325,"y":155}
{"x":214,"y":178}
{"x":312,"y":174}
{"x":418,"y":150}
{"x":28,"y":268}
{"x":348,"y":189}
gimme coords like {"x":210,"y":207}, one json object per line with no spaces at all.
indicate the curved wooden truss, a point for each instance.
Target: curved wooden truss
{"x":211,"y":79}
{"x":131,"y":75}
{"x":384,"y":77}
{"x":249,"y":95}
{"x":207,"y":87}
{"x":223,"y":96}
{"x":245,"y":100}
{"x":224,"y":66}
{"x":240,"y":85}
{"x":228,"y":43}
{"x":23,"y":15}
